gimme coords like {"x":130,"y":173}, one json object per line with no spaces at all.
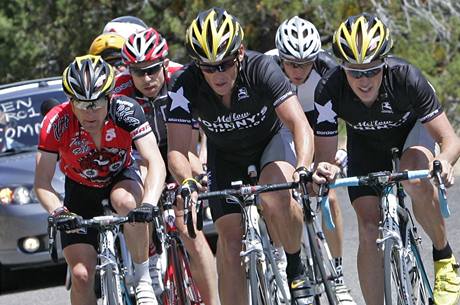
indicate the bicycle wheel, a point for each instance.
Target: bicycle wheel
{"x":111,"y":288}
{"x":180,"y":289}
{"x":174,"y":289}
{"x":395,"y":290}
{"x":191,"y":291}
{"x":324,"y":275}
{"x":259,"y":293}
{"x":277,"y":287}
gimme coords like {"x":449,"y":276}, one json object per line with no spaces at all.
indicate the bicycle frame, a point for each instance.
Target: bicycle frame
{"x":254,"y":242}
{"x":180,"y":289}
{"x":398,"y":237}
{"x":114,"y":290}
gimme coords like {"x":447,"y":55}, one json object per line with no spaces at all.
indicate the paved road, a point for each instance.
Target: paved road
{"x":36,"y":288}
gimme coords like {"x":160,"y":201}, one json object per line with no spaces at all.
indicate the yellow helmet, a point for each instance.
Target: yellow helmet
{"x":361,"y":39}
{"x":88,"y":78}
{"x":107,"y":45}
{"x":213,"y":35}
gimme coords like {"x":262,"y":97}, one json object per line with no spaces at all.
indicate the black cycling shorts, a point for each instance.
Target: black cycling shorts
{"x":365,"y":158}
{"x":86,"y":202}
{"x":222,"y":172}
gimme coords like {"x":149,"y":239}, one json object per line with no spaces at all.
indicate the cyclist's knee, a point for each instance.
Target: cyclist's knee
{"x":419,"y":188}
{"x":122,"y":201}
{"x":276,"y":203}
{"x":82,"y":276}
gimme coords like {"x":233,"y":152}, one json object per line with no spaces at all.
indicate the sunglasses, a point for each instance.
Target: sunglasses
{"x":90,"y":105}
{"x":367,"y":73}
{"x":298,"y":64}
{"x":222,"y":67}
{"x":149,"y":70}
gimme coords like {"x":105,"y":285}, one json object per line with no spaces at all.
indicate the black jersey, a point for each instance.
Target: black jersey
{"x":244,"y":129}
{"x":306,"y":91}
{"x":404,"y":96}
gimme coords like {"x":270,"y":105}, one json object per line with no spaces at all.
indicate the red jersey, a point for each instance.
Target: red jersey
{"x":154,"y":108}
{"x":80,"y":160}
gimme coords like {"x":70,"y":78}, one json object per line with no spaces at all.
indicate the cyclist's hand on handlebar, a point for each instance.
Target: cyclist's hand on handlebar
{"x":202,"y":182}
{"x":325,"y":172}
{"x":143,"y":213}
{"x":189,"y":188}
{"x":447,"y":173}
{"x":66,"y":220}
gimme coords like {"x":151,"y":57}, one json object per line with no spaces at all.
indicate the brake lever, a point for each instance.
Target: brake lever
{"x":442,"y":192}
{"x":52,"y":239}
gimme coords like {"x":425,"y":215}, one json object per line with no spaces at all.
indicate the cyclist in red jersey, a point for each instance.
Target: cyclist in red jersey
{"x":92,"y":135}
{"x":147,"y":80}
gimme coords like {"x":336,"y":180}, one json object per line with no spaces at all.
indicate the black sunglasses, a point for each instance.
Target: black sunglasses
{"x":149,"y":70}
{"x":367,"y":73}
{"x":298,"y":64}
{"x":222,"y":67}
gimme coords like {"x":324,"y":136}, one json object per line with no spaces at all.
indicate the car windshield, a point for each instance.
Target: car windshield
{"x":20,"y":120}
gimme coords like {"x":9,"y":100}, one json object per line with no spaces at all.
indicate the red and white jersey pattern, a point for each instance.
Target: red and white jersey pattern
{"x":79,"y":158}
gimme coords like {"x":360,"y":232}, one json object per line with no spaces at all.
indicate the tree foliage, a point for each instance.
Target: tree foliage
{"x":40,"y":38}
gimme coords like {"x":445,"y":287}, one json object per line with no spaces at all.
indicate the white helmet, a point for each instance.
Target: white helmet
{"x":298,"y":40}
{"x":125,"y":26}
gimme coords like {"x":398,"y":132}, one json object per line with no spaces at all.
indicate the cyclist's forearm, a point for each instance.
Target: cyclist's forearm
{"x":48,"y":197}
{"x":450,"y":150}
{"x":154,"y":182}
{"x":303,"y":142}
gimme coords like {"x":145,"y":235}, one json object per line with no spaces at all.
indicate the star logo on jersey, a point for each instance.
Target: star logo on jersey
{"x":179,"y":100}
{"x":386,"y":107}
{"x":242,"y":93}
{"x":325,"y":113}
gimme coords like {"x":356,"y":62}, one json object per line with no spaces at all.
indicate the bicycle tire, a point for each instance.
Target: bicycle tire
{"x":275,"y":283}
{"x":253,"y":280}
{"x":192,"y":294}
{"x":173,"y":259}
{"x":169,"y":296}
{"x":318,"y":262}
{"x":111,"y":288}
{"x":277,"y":287}
{"x":394,"y":290}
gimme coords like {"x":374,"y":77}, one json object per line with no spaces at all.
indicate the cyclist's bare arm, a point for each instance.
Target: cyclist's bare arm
{"x":291,"y":114}
{"x":44,"y":172}
{"x":156,"y":169}
{"x":179,"y":138}
{"x":195,"y":162}
{"x":442,"y":132}
{"x":203,"y":153}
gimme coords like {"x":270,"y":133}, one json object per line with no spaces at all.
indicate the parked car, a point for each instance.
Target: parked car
{"x":23,"y":221}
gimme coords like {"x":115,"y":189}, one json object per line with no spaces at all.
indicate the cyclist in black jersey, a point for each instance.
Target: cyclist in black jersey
{"x":149,"y":76}
{"x":386,"y":102}
{"x":298,"y":52}
{"x":241,"y":100}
